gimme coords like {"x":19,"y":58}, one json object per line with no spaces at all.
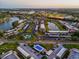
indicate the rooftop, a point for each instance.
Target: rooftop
{"x":10,"y":55}
{"x":28,"y":52}
{"x":74,"y":54}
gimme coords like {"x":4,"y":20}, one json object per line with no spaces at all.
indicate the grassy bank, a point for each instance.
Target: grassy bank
{"x":70,"y":46}
{"x":7,"y":47}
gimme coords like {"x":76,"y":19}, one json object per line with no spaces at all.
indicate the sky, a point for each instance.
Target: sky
{"x":39,"y":3}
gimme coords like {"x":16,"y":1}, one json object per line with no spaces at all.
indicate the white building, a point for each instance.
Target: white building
{"x":23,"y":51}
{"x":74,"y":54}
{"x":36,"y":28}
{"x":68,"y":25}
{"x":57,"y":53}
{"x":26,"y":51}
{"x":27,"y":25}
{"x":10,"y":55}
{"x":61,"y":52}
{"x":49,"y":52}
{"x":42,"y":26}
{"x":58,"y":34}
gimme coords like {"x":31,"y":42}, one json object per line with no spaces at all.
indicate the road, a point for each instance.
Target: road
{"x":41,"y":41}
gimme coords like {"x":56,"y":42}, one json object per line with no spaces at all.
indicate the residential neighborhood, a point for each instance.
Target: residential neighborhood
{"x":38,"y":34}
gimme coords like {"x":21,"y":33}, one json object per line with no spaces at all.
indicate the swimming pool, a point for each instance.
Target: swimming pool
{"x":38,"y":48}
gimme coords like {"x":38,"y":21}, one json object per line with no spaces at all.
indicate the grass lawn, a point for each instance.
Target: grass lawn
{"x":59,"y":25}
{"x":20,"y":30}
{"x":70,"y":46}
{"x":7,"y":46}
{"x":46,"y":25}
{"x":30,"y":29}
{"x":47,"y":46}
{"x":33,"y":39}
{"x":66,"y":54}
{"x":2,"y":16}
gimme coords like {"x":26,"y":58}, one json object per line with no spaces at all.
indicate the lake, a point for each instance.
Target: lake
{"x":8,"y":25}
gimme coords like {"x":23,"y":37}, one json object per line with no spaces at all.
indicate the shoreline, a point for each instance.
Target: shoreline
{"x":3,"y":20}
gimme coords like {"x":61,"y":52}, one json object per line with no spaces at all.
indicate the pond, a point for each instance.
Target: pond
{"x":8,"y":25}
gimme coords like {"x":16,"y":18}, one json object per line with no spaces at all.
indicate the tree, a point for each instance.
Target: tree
{"x":44,"y":57}
{"x":14,"y":24}
{"x":1,"y":33}
{"x":29,"y":57}
{"x":74,"y":38}
{"x":19,"y":37}
{"x":75,"y":35}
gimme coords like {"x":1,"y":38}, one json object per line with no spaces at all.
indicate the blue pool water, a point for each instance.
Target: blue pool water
{"x":38,"y":48}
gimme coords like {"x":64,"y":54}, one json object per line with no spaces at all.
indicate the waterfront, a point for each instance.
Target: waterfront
{"x":8,"y":24}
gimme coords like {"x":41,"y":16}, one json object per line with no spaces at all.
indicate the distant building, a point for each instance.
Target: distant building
{"x":74,"y":54}
{"x":31,"y":12}
{"x":68,"y":17}
{"x":9,"y":55}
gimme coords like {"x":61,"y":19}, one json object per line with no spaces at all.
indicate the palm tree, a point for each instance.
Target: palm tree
{"x":28,"y":57}
{"x":75,"y":35}
{"x":1,"y":33}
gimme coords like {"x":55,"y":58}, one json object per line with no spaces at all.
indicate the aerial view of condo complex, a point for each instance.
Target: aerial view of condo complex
{"x":39,"y":29}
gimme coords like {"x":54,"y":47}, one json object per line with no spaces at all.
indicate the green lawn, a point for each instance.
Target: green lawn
{"x":59,"y":25}
{"x":20,"y":30}
{"x":7,"y":46}
{"x":31,"y":28}
{"x":2,"y":16}
{"x":47,"y":46}
{"x":46,"y":25}
{"x":70,"y":46}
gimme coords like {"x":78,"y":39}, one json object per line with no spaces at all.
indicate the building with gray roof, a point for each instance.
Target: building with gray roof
{"x":28,"y":52}
{"x":9,"y":55}
{"x":74,"y":54}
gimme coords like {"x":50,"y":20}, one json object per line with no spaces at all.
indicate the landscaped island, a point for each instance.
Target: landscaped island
{"x":4,"y":18}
